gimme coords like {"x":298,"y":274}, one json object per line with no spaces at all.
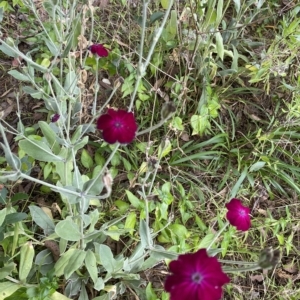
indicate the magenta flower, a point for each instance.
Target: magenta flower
{"x":117,"y":126}
{"x":238,"y":215}
{"x":55,"y":118}
{"x":99,"y":49}
{"x":196,"y":276}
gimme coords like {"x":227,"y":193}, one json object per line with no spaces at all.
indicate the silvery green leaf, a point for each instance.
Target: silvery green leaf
{"x":75,"y":262}
{"x":80,"y":144}
{"x":145,"y":235}
{"x":87,"y":128}
{"x":44,"y":258}
{"x":50,"y":136}
{"x":99,"y":285}
{"x":11,"y":158}
{"x":32,"y":92}
{"x":18,"y":75}
{"x":95,"y":187}
{"x":8,"y":50}
{"x":39,"y":150}
{"x":91,"y":265}
{"x":71,"y":83}
{"x":52,"y":47}
{"x":83,"y":293}
{"x":67,"y":262}
{"x":68,"y":230}
{"x":106,"y":258}
{"x":42,"y":219}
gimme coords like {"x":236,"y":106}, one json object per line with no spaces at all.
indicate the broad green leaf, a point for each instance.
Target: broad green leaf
{"x":19,"y":196}
{"x":75,"y":262}
{"x":64,"y":170}
{"x":113,"y":232}
{"x":145,"y":234}
{"x":18,"y":75}
{"x":237,"y":5}
{"x":50,"y":136}
{"x":164,"y":148}
{"x":177,"y":123}
{"x":107,"y":258}
{"x":95,"y":187}
{"x":45,"y":62}
{"x":42,"y":219}
{"x":47,"y":170}
{"x":52,"y":47}
{"x":32,"y":92}
{"x":86,"y":159}
{"x":135,"y":202}
{"x":80,"y":144}
{"x":179,"y":230}
{"x":165,"y":3}
{"x":68,"y":230}
{"x":99,"y":285}
{"x":8,"y":288}
{"x":38,"y":150}
{"x":156,"y":16}
{"x":71,"y":83}
{"x":130,"y":222}
{"x":122,"y":206}
{"x":8,"y":50}
{"x":65,"y":259}
{"x":171,"y":28}
{"x":91,"y":265}
{"x":150,"y":294}
{"x":257,"y":166}
{"x":205,"y":242}
{"x":59,"y":296}
{"x":26,"y":260}
{"x":199,"y":124}
{"x":14,"y":218}
{"x":7,"y":270}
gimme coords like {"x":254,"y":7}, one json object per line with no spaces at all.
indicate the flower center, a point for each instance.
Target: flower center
{"x":118,"y":124}
{"x":196,"y":278}
{"x":242,"y":213}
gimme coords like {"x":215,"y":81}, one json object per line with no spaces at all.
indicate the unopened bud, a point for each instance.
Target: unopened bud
{"x":269,"y":258}
{"x":167,"y":110}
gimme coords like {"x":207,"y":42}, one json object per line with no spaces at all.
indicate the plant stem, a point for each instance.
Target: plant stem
{"x":143,"y":66}
{"x":217,"y":235}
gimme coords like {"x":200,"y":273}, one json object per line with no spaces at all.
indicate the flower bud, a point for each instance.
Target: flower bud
{"x":167,"y":110}
{"x":269,"y":258}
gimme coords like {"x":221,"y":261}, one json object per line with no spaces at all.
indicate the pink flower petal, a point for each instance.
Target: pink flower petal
{"x":238,"y":215}
{"x":117,"y":126}
{"x":55,"y":118}
{"x":196,"y":277}
{"x":99,"y":49}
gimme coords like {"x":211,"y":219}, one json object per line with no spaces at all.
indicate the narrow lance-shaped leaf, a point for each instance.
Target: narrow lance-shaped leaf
{"x":26,"y":260}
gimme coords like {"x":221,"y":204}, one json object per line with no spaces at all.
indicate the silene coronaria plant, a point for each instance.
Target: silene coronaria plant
{"x":199,"y":276}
